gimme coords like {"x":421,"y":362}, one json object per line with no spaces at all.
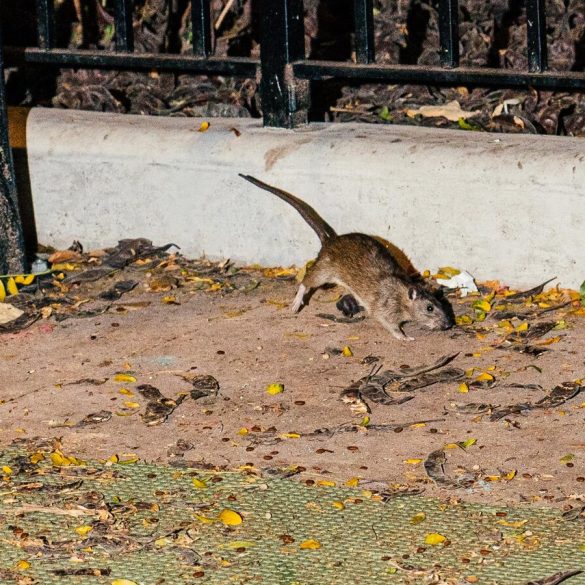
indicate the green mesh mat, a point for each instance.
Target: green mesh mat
{"x":150,"y":524}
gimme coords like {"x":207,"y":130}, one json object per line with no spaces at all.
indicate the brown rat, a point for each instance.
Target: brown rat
{"x":372,"y":274}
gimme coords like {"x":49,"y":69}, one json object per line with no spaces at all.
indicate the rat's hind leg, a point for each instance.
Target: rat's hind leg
{"x":315,"y":277}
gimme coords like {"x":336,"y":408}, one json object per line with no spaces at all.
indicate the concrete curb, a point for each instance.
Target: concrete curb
{"x":500,"y":206}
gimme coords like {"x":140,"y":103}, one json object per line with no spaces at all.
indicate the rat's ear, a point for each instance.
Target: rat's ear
{"x":412,"y":294}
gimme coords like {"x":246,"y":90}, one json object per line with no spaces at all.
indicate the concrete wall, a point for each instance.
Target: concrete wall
{"x":500,"y":206}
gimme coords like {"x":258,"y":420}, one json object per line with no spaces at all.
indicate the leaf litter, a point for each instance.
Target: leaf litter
{"x":397,"y":383}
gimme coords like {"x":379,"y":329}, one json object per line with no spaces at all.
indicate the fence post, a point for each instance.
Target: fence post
{"x":285,"y":99}
{"x":12,"y":254}
{"x":45,"y":24}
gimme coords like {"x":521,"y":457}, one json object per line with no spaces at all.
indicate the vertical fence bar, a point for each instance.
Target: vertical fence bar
{"x":449,"y":32}
{"x":12,"y":251}
{"x":364,"y":31}
{"x":124,"y":30}
{"x":201,"y":27}
{"x":536,"y":31}
{"x":46,"y":24}
{"x":284,"y":98}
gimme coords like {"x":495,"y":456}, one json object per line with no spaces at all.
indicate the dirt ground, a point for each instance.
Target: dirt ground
{"x":55,"y":373}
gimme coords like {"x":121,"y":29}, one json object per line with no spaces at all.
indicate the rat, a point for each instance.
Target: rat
{"x":365,"y":267}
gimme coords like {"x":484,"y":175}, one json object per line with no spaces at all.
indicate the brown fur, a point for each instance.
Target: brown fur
{"x":366,"y":267}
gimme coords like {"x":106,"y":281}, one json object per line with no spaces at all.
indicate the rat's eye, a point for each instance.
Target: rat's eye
{"x":430,"y":308}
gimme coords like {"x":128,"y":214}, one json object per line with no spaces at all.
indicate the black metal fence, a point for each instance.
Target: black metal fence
{"x":285,"y":72}
{"x":283,"y":67}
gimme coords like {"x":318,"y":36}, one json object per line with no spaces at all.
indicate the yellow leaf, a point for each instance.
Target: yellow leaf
{"x":434,"y":538}
{"x":243,"y":431}
{"x":412,"y":461}
{"x":23,"y":565}
{"x":170,"y":300}
{"x":11,"y":287}
{"x":2,"y":292}
{"x":482,"y":305}
{"x":238,"y":544}
{"x":492,"y":478}
{"x":203,"y":519}
{"x":126,"y":392}
{"x":517,"y":524}
{"x":229,"y":517}
{"x":448,"y":271}
{"x":346,"y":351}
{"x":84,"y":530}
{"x":310,"y":545}
{"x":463,"y":320}
{"x":275,"y":389}
{"x":129,"y":460}
{"x":204,"y":127}
{"x":338,"y":505}
{"x":279,"y":272}
{"x":463,"y":387}
{"x":36,"y":457}
{"x":123,"y":582}
{"x":63,"y":266}
{"x":567,"y":458}
{"x":469,"y":373}
{"x":467,"y":443}
{"x":484,"y":377}
{"x":365,"y":421}
{"x":418,"y":518}
{"x":121,"y":377}
{"x":418,"y":425}
{"x":326,"y":483}
{"x":7,"y":470}
{"x":199,"y":483}
{"x":130,"y":404}
{"x":522,"y":327}
{"x":24,"y":279}
{"x":510,"y":475}
{"x":451,"y":446}
{"x":290,"y":436}
{"x":353,"y":482}
{"x":58,"y":459}
{"x":550,"y":341}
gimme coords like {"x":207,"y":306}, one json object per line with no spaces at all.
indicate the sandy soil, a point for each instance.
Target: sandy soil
{"x":248,"y":340}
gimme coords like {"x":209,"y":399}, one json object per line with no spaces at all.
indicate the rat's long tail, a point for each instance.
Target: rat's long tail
{"x":321,"y":227}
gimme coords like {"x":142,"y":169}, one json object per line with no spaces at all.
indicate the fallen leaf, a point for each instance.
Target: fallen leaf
{"x":229,"y":517}
{"x":451,"y":110}
{"x":204,"y":127}
{"x":346,"y":351}
{"x":275,"y":389}
{"x":434,"y":538}
{"x":199,"y":483}
{"x":84,"y":530}
{"x":412,"y":461}
{"x":310,"y":545}
{"x":353,"y":482}
{"x":121,"y":377}
{"x":418,"y":518}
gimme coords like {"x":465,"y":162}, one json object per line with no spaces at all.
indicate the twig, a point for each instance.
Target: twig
{"x":223,"y":14}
